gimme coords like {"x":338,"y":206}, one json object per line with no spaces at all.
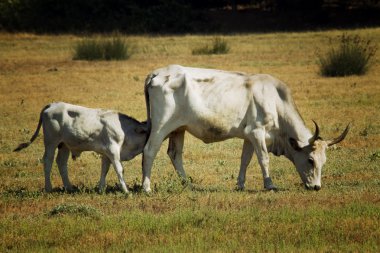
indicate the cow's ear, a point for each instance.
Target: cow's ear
{"x":141,"y":129}
{"x":294,"y":144}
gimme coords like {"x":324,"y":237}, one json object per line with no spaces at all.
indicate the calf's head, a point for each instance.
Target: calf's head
{"x":136,"y":137}
{"x":310,"y":159}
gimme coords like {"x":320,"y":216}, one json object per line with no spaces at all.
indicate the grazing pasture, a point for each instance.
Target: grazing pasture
{"x":343,"y":216}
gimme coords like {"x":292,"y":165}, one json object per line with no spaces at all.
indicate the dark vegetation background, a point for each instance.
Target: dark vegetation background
{"x":180,"y":16}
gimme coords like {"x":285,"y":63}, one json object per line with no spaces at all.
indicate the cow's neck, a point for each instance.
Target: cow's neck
{"x":294,"y":127}
{"x":291,"y":126}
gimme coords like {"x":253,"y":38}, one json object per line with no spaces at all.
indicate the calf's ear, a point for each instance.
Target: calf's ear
{"x":294,"y":144}
{"x":141,"y":129}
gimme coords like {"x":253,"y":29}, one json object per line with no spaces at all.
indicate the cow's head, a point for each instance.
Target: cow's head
{"x":310,"y":159}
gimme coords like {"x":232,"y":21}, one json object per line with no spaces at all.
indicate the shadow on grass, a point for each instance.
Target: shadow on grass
{"x":24,"y":193}
{"x":212,"y":189}
{"x":110,"y":189}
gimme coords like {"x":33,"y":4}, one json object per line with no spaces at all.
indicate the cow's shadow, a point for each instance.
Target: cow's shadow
{"x":23,"y":192}
{"x":211,"y":189}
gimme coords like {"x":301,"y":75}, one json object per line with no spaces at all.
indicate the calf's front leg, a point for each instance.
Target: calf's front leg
{"x":105,"y":168}
{"x":114,"y":157}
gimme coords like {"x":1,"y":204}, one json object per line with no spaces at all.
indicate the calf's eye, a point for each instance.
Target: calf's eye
{"x":311,"y":161}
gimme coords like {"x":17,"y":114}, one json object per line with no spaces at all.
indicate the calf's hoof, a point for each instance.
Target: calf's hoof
{"x":239,"y":188}
{"x":268,"y":184}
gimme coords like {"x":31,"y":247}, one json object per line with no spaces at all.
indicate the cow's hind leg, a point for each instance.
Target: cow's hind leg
{"x":48,"y":163}
{"x":150,"y":151}
{"x":246,"y":157}
{"x":105,"y":167}
{"x":175,"y":149}
{"x":62,"y":158}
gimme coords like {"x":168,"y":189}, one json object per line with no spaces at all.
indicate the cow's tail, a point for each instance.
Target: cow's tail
{"x":148,"y":82}
{"x":26,"y":144}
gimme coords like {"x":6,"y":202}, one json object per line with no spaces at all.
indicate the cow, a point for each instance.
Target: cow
{"x":215,"y":105}
{"x":72,"y":128}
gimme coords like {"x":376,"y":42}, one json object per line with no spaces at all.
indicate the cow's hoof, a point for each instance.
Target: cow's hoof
{"x":100,"y":191}
{"x":48,"y":190}
{"x":271,"y":188}
{"x":147,"y":191}
{"x":71,"y":189}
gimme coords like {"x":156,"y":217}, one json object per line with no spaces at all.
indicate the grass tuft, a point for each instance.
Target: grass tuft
{"x":351,"y":57}
{"x":116,"y":49}
{"x":75,"y":209}
{"x":22,"y":193}
{"x":219,"y":46}
{"x":102,"y":49}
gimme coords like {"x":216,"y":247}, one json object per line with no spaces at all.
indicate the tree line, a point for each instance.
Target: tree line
{"x":153,"y":16}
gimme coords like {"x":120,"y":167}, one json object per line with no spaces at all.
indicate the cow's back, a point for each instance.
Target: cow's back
{"x":211,"y":104}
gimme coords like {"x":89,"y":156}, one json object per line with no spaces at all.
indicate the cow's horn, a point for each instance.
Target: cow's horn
{"x":340,"y":138}
{"x":316,"y":133}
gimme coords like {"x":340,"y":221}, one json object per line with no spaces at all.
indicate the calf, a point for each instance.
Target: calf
{"x":71,"y":128}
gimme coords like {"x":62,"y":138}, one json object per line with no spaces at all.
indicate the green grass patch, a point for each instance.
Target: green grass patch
{"x":75,"y":209}
{"x":102,"y":49}
{"x":219,"y":46}
{"x":351,"y":227}
{"x":22,"y":193}
{"x":351,"y":57}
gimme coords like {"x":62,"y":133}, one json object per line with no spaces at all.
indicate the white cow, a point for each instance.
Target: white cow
{"x":215,"y":105}
{"x":71,"y":128}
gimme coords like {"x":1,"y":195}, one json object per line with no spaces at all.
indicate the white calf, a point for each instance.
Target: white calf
{"x":71,"y":128}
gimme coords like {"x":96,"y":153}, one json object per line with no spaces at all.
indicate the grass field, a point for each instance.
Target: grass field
{"x":343,"y":217}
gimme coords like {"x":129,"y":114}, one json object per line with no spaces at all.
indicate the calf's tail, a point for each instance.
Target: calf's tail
{"x":26,"y":144}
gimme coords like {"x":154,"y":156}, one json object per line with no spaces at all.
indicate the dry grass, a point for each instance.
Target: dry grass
{"x":344,"y":216}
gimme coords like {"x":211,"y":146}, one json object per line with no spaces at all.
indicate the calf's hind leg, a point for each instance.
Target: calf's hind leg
{"x":48,"y":163}
{"x":62,"y":158}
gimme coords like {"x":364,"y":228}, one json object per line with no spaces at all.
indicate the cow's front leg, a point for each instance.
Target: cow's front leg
{"x":105,"y":167}
{"x":259,"y":144}
{"x":62,"y":158}
{"x":175,"y":149}
{"x":246,"y":157}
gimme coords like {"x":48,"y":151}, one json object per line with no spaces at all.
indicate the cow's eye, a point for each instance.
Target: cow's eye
{"x":311,"y":161}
